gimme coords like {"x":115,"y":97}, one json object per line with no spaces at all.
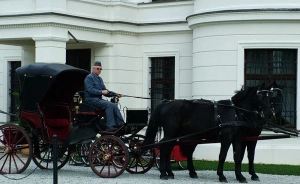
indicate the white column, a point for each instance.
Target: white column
{"x":50,"y":49}
{"x":28,"y":55}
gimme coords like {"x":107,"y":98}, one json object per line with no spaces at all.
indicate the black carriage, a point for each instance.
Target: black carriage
{"x":51,"y":104}
{"x":47,"y":108}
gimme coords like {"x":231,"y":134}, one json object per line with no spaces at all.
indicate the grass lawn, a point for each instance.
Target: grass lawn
{"x":259,"y":168}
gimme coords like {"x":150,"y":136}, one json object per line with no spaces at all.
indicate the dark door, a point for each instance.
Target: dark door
{"x":80,"y":58}
{"x":14,"y":90}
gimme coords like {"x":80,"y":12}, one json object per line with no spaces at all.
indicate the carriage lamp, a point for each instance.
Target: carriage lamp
{"x":76,"y":109}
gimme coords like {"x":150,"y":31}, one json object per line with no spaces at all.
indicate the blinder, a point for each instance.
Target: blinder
{"x":260,"y":94}
{"x":275,"y":92}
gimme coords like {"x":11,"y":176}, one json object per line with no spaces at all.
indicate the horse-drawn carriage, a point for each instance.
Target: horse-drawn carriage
{"x":46,"y":101}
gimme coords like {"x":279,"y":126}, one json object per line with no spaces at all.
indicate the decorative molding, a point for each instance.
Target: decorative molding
{"x":91,"y":19}
{"x":247,"y":10}
{"x":88,"y":29}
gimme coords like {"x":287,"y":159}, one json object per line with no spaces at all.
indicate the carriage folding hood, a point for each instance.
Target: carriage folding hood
{"x":48,"y":82}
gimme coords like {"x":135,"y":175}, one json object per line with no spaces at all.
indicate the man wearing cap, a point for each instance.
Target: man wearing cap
{"x":94,"y":88}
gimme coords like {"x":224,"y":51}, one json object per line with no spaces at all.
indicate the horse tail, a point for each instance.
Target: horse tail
{"x":154,"y":124}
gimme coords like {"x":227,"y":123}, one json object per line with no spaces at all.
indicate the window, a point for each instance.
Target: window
{"x":266,"y":65}
{"x":162,"y":79}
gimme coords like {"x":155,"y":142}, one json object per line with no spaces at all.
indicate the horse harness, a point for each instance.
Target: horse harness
{"x":234,"y":123}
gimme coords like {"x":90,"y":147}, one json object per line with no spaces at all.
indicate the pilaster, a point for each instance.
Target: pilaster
{"x":50,"y":49}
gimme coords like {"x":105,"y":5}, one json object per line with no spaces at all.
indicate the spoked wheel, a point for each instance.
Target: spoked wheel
{"x":15,"y":149}
{"x":74,"y":156}
{"x":43,"y":157}
{"x":83,"y":151}
{"x":108,"y":157}
{"x":139,"y":163}
{"x":182,"y":164}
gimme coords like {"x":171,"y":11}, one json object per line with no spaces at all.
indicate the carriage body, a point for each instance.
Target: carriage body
{"x":46,"y":96}
{"x":48,"y":107}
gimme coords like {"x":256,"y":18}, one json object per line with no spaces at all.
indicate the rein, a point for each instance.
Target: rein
{"x":232,"y":106}
{"x":7,"y":113}
{"x":177,"y":139}
{"x":146,"y":98}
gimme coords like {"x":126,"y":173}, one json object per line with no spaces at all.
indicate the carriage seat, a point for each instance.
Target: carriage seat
{"x":56,"y":115}
{"x":57,"y":119}
{"x":88,"y":109}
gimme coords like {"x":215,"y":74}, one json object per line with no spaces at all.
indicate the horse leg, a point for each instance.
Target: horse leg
{"x":226,"y":140}
{"x":251,"y":152}
{"x":238,"y":161}
{"x":243,"y":149}
{"x":187,"y":151}
{"x":168,"y":162}
{"x":190,"y":165}
{"x":162,"y":167}
{"x":165,"y":164}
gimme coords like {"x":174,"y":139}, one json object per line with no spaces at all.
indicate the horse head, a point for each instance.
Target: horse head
{"x":276,"y":93}
{"x":254,"y":99}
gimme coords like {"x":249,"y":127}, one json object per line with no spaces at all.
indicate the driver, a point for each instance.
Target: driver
{"x":94,"y":88}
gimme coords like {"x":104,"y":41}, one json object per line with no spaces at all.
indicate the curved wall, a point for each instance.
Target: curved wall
{"x":201,"y":6}
{"x":221,"y":32}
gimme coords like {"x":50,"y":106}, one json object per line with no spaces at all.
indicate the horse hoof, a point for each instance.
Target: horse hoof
{"x":193,"y":175}
{"x":170,"y":176}
{"x":164,"y":177}
{"x":243,"y":180}
{"x":255,"y":178}
{"x":223,"y":180}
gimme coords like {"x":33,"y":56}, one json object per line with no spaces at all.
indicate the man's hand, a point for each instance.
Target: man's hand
{"x":118,"y":95}
{"x":105,"y":92}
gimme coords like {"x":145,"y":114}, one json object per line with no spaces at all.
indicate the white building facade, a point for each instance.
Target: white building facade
{"x":208,"y":40}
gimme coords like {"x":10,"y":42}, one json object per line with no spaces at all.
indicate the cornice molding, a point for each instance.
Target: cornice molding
{"x":12,"y":26}
{"x":91,"y":19}
{"x":246,"y":10}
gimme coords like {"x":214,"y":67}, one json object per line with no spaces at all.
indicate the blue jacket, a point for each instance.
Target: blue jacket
{"x":93,"y":86}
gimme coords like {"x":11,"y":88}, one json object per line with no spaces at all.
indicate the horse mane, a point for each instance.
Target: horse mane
{"x":244,"y":91}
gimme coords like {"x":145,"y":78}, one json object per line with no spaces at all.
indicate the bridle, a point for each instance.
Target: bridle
{"x":275,"y":94}
{"x":260,"y":96}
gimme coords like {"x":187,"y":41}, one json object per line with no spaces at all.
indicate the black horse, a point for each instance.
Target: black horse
{"x":203,"y":119}
{"x":255,"y":123}
{"x":277,"y":105}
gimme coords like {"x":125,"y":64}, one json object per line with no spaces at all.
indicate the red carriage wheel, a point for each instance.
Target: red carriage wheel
{"x":139,"y":163}
{"x":108,"y":157}
{"x":15,"y":149}
{"x":43,"y":155}
{"x":157,"y":158}
{"x":182,"y":164}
